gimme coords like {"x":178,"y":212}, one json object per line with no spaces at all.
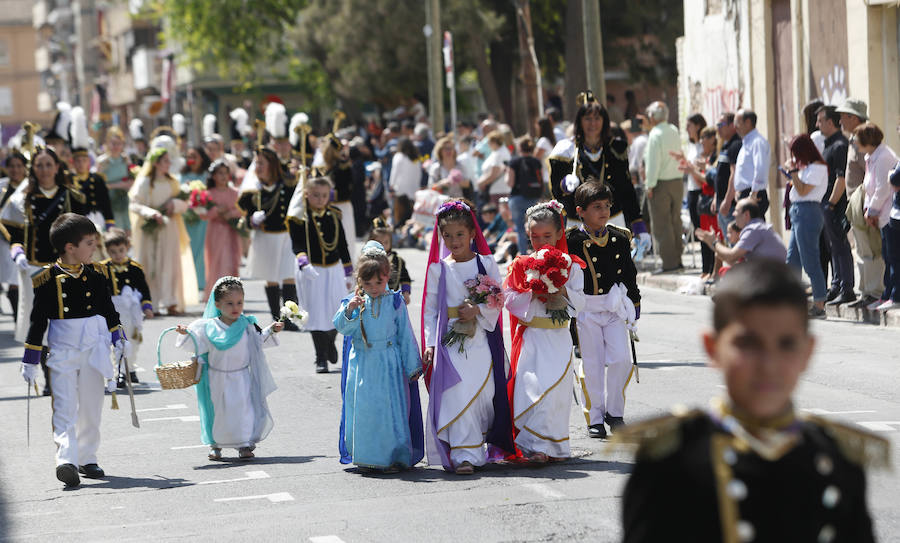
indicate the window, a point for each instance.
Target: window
{"x":4,"y":53}
{"x":6,"y":102}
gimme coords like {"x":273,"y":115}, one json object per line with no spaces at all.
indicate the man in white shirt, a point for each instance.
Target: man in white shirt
{"x":751,"y":172}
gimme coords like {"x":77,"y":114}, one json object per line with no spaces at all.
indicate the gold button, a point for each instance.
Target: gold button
{"x":588,"y":244}
{"x":62,"y":280}
{"x":594,"y":259}
{"x":600,"y":290}
{"x":88,"y":294}
{"x":65,"y":309}
{"x":89,"y":306}
{"x":84,"y":278}
{"x":94,"y":202}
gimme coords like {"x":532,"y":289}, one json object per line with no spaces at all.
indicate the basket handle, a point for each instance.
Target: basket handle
{"x":159,"y":344}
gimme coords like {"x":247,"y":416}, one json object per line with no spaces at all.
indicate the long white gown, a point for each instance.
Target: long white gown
{"x":467,"y":407}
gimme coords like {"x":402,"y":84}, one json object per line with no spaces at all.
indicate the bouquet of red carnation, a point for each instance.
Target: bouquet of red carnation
{"x":483,"y":289}
{"x":546,"y":271}
{"x":197,"y":197}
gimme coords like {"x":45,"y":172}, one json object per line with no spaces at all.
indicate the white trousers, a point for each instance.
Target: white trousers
{"x":348,"y":221}
{"x":606,"y":364}
{"x":77,"y":405}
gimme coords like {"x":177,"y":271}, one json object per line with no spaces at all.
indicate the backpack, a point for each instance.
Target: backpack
{"x":529,"y":177}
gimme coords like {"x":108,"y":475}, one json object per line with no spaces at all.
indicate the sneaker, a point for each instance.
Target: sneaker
{"x":816,"y":313}
{"x":888,"y":305}
{"x":874,"y":305}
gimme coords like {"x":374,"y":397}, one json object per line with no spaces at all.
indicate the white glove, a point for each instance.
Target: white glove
{"x":645,"y":240}
{"x":119,"y":348}
{"x":111,"y":386}
{"x":571,"y":181}
{"x":257,"y":218}
{"x":22,"y":262}
{"x":30,"y":372}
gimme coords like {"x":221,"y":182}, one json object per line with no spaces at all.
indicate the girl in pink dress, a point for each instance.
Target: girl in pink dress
{"x":223,"y":242}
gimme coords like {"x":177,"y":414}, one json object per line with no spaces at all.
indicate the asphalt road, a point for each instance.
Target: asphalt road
{"x":160,"y":485}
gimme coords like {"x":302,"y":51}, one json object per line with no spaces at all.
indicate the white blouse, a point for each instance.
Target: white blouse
{"x":816,"y":175}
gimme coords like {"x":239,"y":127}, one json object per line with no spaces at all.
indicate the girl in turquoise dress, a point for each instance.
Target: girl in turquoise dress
{"x":381,"y":423}
{"x":195,"y":169}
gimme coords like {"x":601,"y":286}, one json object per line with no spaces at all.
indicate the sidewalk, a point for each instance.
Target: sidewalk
{"x":688,"y":282}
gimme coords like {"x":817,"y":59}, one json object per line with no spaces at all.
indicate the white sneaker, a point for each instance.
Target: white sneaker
{"x":875,"y":305}
{"x":890,"y":304}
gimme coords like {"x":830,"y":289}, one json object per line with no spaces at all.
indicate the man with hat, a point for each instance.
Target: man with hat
{"x":853,"y":113}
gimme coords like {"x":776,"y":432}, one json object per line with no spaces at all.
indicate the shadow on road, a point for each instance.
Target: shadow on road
{"x":572,"y":469}
{"x":122,"y":483}
{"x":673,"y":364}
{"x":234,"y":462}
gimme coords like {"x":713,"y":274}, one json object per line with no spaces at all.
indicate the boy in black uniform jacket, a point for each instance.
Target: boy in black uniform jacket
{"x":320,"y":245}
{"x":612,"y":307}
{"x":130,"y":294}
{"x":72,"y":298}
{"x":399,"y":280}
{"x":751,"y":468}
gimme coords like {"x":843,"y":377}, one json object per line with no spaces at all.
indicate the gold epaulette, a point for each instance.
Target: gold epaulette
{"x":656,"y":438}
{"x":299,"y":220}
{"x":99,"y":267}
{"x":336,"y":210}
{"x":78,"y":195}
{"x":619,"y":149}
{"x":621,"y":231}
{"x":41,"y":277}
{"x":857,"y":445}
{"x":136,"y":264}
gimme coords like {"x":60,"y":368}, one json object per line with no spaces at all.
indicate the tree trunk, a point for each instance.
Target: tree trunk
{"x":485,"y":75}
{"x":528,"y":73}
{"x":576,"y":76}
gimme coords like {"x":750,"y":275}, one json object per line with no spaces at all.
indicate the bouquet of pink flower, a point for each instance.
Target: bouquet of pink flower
{"x":483,"y":289}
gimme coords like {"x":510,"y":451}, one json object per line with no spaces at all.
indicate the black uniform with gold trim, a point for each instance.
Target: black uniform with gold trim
{"x":611,"y":167}
{"x":40,"y":211}
{"x":96,"y":195}
{"x":342,"y":177}
{"x":399,"y":279}
{"x":273,"y":202}
{"x":320,"y":237}
{"x":717,"y":476}
{"x":128,"y":273}
{"x":69,"y":292}
{"x":608,"y":259}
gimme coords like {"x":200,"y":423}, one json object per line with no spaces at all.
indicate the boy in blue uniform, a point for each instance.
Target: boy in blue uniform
{"x":72,"y":299}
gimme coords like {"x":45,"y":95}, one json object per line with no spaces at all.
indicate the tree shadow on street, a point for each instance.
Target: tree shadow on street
{"x":234,"y":462}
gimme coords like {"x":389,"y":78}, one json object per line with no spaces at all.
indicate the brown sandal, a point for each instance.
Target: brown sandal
{"x":245,"y":453}
{"x":465,"y":468}
{"x":215,"y":453}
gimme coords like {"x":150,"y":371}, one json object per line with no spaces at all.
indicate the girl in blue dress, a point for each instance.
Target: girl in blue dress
{"x":381,"y":422}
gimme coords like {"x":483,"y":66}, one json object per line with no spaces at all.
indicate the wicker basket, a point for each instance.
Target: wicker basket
{"x":175,"y":375}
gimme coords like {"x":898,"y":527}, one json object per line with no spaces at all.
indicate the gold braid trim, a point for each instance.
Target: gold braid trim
{"x":657,"y":438}
{"x":859,"y":446}
{"x":621,"y":231}
{"x":101,"y":268}
{"x":41,"y":277}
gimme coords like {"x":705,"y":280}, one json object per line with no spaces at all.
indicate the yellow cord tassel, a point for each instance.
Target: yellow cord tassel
{"x":36,"y":389}
{"x":115,"y":403}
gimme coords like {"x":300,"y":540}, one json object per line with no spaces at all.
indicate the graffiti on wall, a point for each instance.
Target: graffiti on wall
{"x":719,"y":100}
{"x":833,"y":86}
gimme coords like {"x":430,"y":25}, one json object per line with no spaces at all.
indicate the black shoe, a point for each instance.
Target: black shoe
{"x":120,"y":382}
{"x":863,"y":302}
{"x":68,"y":474}
{"x":816,"y":313}
{"x":832,"y":294}
{"x":91,"y":471}
{"x":47,"y":391}
{"x":291,"y":327}
{"x":134,"y":379}
{"x":321,"y":366}
{"x":614,"y":422}
{"x":843,"y":298}
{"x":597,"y":431}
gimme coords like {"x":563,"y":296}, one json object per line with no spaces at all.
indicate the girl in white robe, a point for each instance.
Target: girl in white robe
{"x":542,"y":347}
{"x":235,"y":379}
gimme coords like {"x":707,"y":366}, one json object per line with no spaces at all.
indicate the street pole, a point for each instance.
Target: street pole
{"x":436,"y":89}
{"x":449,"y":69}
{"x":593,"y":48}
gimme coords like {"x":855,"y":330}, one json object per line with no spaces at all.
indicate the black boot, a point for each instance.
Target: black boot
{"x":332,"y":350}
{"x":13,"y":296}
{"x":45,"y":353}
{"x":320,"y":340}
{"x":289,"y":292}
{"x":273,"y":296}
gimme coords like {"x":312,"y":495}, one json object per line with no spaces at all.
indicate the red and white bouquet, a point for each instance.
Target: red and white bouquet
{"x":483,"y":289}
{"x":546,"y":272}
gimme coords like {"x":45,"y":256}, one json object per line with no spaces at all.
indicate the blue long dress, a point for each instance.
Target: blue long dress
{"x":381,"y":424}
{"x":197,"y":232}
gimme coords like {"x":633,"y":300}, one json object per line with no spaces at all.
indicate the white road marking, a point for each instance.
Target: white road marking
{"x":117,"y":507}
{"x":818,"y":411}
{"x":188,"y":447}
{"x":166,"y":408}
{"x":880,"y":425}
{"x":274,"y":498}
{"x":189,"y":418}
{"x":326,"y":539}
{"x":544,"y":490}
{"x":250,"y":475}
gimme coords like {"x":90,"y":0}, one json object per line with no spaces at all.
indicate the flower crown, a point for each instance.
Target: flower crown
{"x":155,"y":154}
{"x":373,"y":248}
{"x":552,"y":204}
{"x":453,"y":205}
